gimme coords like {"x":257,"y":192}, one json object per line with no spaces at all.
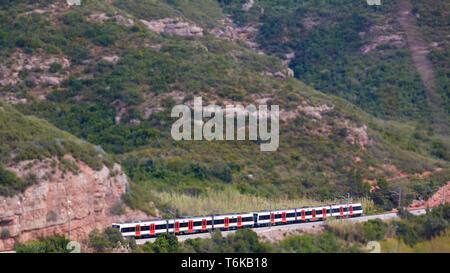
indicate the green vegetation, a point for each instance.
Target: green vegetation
{"x":433,"y":22}
{"x":318,"y":158}
{"x":49,"y":244}
{"x":29,"y":138}
{"x":409,"y":229}
{"x":329,"y":38}
{"x":105,"y":241}
{"x":409,"y":233}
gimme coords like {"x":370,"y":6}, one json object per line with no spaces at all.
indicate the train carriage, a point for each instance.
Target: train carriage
{"x":188,"y":225}
{"x":142,"y":229}
{"x":233,"y":221}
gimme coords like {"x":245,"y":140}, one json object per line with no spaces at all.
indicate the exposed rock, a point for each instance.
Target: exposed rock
{"x":315,"y":111}
{"x":112,"y":59}
{"x":98,"y":17}
{"x":290,"y":72}
{"x":119,"y":19}
{"x":289,"y":56}
{"x":435,"y":200}
{"x":174,"y":26}
{"x":148,"y":111}
{"x":50,"y":80}
{"x":309,"y":23}
{"x":43,"y":209}
{"x":279,"y":74}
{"x":228,"y":31}
{"x":248,"y":34}
{"x":383,"y":39}
{"x":248,"y":5}
{"x":358,"y":135}
{"x":33,"y":64}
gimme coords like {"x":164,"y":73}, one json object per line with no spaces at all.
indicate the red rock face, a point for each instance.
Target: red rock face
{"x":435,"y":200}
{"x":43,"y":209}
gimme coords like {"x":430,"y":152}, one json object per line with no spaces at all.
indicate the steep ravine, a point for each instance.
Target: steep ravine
{"x":419,"y":51}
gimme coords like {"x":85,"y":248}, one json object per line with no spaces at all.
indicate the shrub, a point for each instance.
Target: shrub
{"x":5,"y":233}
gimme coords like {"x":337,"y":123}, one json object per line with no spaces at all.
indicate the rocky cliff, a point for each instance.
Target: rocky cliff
{"x":43,"y":209}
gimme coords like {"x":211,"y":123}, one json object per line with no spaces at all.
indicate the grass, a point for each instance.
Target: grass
{"x":229,"y":200}
{"x":439,"y":244}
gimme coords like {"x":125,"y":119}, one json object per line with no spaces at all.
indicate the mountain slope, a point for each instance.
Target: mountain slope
{"x":109,"y":72}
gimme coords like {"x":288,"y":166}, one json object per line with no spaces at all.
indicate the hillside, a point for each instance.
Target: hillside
{"x":48,"y":176}
{"x":109,"y":73}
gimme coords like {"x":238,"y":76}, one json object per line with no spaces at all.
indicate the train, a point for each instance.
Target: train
{"x":196,"y":224}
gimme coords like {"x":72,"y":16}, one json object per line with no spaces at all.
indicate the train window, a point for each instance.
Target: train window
{"x":129,"y":229}
{"x":163,"y":226}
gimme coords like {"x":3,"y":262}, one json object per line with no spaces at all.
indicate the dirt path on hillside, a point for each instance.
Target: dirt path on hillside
{"x":419,"y":51}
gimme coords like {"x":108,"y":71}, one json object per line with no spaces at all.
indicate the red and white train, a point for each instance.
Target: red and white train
{"x":190,"y":225}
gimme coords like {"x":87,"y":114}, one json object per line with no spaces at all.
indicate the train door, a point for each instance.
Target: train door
{"x":324,"y":213}
{"x":226,"y":222}
{"x":255,"y":219}
{"x":203,"y":224}
{"x":283,"y":217}
{"x":341,"y":211}
{"x":190,"y":225}
{"x":303,"y":215}
{"x":152,"y":229}
{"x":313,"y":214}
{"x":239,"y":221}
{"x":272,"y":218}
{"x":177,"y":227}
{"x":137,"y":230}
{"x":351,"y":210}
